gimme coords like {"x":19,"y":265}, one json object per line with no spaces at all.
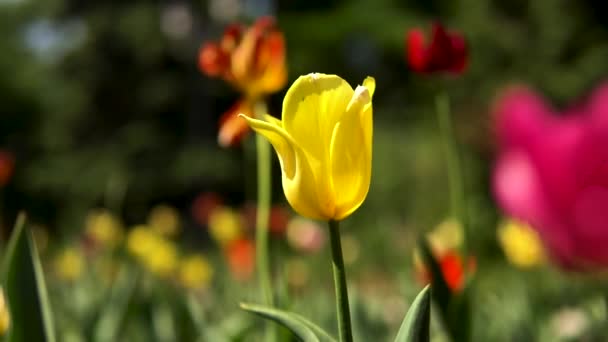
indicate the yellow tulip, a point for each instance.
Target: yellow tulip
{"x":324,"y":144}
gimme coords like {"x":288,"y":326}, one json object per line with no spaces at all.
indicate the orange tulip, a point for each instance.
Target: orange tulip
{"x":253,"y":61}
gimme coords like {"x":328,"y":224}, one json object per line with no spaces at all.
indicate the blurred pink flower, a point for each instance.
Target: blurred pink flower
{"x":552,"y":172}
{"x":305,"y":235}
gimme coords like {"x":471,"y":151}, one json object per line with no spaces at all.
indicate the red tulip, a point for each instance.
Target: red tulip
{"x":552,"y":171}
{"x":447,"y":51}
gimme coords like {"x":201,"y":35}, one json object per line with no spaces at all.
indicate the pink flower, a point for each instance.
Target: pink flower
{"x":552,"y":172}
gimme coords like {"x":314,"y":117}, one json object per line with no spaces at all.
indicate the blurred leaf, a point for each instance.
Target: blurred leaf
{"x":31,"y":318}
{"x":205,"y":331}
{"x":163,"y":322}
{"x":112,"y":319}
{"x":300,"y":326}
{"x":441,"y":291}
{"x":454,"y":309}
{"x":416,"y":324}
{"x":459,"y":316}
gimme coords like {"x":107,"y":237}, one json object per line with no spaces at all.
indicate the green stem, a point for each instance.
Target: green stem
{"x":264,"y":190}
{"x":343,"y":311}
{"x":455,"y":180}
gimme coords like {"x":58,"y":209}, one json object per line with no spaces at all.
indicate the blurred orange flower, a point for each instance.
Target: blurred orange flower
{"x":240,"y":255}
{"x":253,"y":61}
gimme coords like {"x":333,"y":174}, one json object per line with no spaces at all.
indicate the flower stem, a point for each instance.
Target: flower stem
{"x":343,"y":311}
{"x":264,"y":190}
{"x":455,"y":181}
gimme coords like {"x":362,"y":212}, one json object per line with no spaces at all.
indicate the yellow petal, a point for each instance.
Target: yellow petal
{"x":350,"y":154}
{"x":313,"y":106}
{"x":370,"y":83}
{"x":298,"y":181}
{"x":271,"y":119}
{"x":279,"y":139}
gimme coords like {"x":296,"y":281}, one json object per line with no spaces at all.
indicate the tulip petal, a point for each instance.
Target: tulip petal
{"x":232,"y":128}
{"x":350,"y":154}
{"x":279,"y":140}
{"x":590,"y":215}
{"x":298,"y":181}
{"x":313,"y":106}
{"x":272,"y":63}
{"x":271,"y":119}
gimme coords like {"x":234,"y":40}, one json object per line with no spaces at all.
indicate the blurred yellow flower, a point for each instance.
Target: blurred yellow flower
{"x":324,"y":144}
{"x":445,"y":238}
{"x":521,"y":244}
{"x":157,"y":254}
{"x":140,"y":240}
{"x":195,"y":272}
{"x":104,"y":228}
{"x":5,"y":315}
{"x":161,"y":259}
{"x":69,"y":264}
{"x":225,"y":225}
{"x":298,"y":272}
{"x":164,"y":220}
{"x":448,"y":235}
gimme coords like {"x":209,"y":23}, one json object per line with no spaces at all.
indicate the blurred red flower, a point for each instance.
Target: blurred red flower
{"x":552,"y":172}
{"x":447,"y":51}
{"x":277,"y":223}
{"x":253,"y":61}
{"x":240,"y":255}
{"x":203,"y":205}
{"x":454,"y":269}
{"x":7,"y":166}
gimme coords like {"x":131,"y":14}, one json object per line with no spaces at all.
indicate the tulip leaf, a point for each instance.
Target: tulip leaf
{"x":416,"y":324}
{"x":31,"y":318}
{"x":442,"y":295}
{"x":302,"y":328}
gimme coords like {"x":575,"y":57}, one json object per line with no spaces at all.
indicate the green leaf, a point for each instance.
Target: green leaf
{"x":302,"y":328}
{"x":442,"y":295}
{"x":416,"y":324}
{"x":112,"y":318}
{"x":27,"y":297}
